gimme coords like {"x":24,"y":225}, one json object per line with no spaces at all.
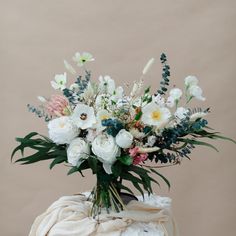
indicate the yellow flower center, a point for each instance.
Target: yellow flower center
{"x":104,"y":117}
{"x":156,"y":115}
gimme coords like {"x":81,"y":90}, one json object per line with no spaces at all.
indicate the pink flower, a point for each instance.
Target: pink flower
{"x":133,"y":151}
{"x":57,"y":105}
{"x":140,"y":158}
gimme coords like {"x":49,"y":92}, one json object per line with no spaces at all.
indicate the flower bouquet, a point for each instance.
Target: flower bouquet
{"x":96,"y":125}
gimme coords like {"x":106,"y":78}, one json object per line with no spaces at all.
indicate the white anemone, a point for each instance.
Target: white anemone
{"x":83,"y":116}
{"x":155,"y":115}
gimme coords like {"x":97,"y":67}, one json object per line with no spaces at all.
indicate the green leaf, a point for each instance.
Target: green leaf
{"x":126,"y":160}
{"x":73,"y":170}
{"x":57,"y":160}
{"x":93,"y":162}
{"x":138,"y":116}
{"x":225,"y":138}
{"x":195,"y":142}
{"x":162,"y":176}
{"x":121,"y":186}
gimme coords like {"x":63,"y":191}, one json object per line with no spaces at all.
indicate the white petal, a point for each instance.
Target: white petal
{"x":69,"y":67}
{"x":55,"y":85}
{"x":107,"y":168}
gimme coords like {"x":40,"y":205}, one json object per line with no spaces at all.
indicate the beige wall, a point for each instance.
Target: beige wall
{"x":198,"y":37}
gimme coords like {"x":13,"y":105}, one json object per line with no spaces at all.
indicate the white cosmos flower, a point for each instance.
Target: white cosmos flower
{"x":176,"y":93}
{"x":69,"y":67}
{"x":83,"y":116}
{"x":106,"y":84}
{"x":155,"y":115}
{"x":81,"y":59}
{"x":196,"y":91}
{"x":77,"y":151}
{"x":60,"y":81}
{"x":106,"y":149}
{"x":190,"y":80}
{"x":181,"y":113}
{"x":124,"y":139}
{"x":62,"y":130}
{"x":197,"y":115}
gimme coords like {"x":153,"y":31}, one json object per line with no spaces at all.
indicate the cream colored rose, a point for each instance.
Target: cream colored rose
{"x":105,"y":148}
{"x":77,"y":151}
{"x":124,"y":139}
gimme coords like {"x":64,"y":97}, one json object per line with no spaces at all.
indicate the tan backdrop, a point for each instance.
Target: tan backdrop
{"x":198,"y":37}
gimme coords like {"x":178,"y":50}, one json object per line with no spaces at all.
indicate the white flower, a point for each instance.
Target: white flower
{"x":181,"y":113}
{"x":196,"y":91}
{"x":106,"y":85}
{"x":83,"y":116}
{"x":102,"y":101}
{"x":105,"y":148}
{"x":60,"y":81}
{"x":155,"y":115}
{"x":62,"y":130}
{"x":197,"y":115}
{"x":91,"y":135}
{"x":77,"y":151}
{"x":190,"y":80}
{"x":124,"y":139}
{"x":148,"y":66}
{"x":81,"y":59}
{"x":176,"y":93}
{"x":69,"y":67}
{"x":42,"y":99}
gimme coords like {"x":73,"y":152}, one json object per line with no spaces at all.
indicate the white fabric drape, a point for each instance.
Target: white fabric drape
{"x":69,"y":216}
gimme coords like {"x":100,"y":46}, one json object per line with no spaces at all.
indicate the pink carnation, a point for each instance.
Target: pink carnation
{"x":133,"y":151}
{"x":57,"y":105}
{"x":140,"y":158}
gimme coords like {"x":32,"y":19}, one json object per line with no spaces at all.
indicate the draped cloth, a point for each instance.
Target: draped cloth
{"x":69,"y":216}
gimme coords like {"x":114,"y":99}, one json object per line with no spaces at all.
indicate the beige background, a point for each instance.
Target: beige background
{"x":198,"y":37}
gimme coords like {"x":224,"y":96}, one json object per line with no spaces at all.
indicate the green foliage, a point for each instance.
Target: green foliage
{"x":44,"y":149}
{"x":165,"y":75}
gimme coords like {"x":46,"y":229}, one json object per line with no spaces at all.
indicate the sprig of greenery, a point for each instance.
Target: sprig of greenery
{"x":165,"y":75}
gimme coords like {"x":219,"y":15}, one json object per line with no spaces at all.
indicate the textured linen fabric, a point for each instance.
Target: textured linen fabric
{"x":70,"y":216}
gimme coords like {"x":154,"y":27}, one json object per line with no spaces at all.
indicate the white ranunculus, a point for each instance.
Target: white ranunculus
{"x":197,"y":115}
{"x":77,"y":151}
{"x":62,"y":130}
{"x":83,"y":116}
{"x":155,"y":115}
{"x":176,"y":93}
{"x":106,"y":149}
{"x":124,"y":139}
{"x":190,"y":80}
{"x":106,"y":85}
{"x":196,"y":91}
{"x":181,"y":113}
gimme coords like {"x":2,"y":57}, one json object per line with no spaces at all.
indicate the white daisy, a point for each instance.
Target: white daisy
{"x":81,"y":59}
{"x":60,"y":81}
{"x":155,"y":115}
{"x":83,"y":116}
